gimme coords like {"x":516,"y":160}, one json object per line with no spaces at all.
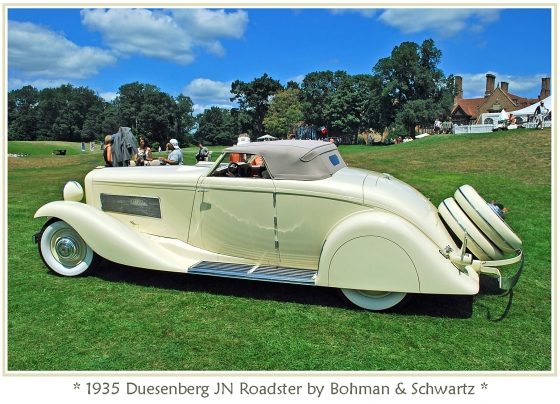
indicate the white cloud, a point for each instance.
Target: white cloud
{"x":108,"y":96}
{"x":204,"y":24}
{"x":38,"y":55}
{"x":15,"y":83}
{"x":209,"y":91}
{"x":171,"y":35}
{"x":297,"y":79}
{"x":199,"y":109}
{"x":445,"y":21}
{"x":364,"y":12}
{"x":474,"y":85}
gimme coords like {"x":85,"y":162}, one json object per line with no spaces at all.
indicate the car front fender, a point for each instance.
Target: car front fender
{"x":114,"y":240}
{"x":384,"y":252}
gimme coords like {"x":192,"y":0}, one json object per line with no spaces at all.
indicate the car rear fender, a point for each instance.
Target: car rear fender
{"x":384,"y":252}
{"x":112,"y":239}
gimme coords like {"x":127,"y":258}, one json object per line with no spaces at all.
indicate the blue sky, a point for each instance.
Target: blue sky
{"x":199,"y":52}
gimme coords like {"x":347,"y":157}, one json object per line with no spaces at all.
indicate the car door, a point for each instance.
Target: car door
{"x":307,"y":211}
{"x":236,"y":216}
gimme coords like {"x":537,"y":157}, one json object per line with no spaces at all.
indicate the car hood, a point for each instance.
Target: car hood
{"x":144,"y":176}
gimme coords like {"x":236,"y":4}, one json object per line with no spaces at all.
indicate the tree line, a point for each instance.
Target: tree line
{"x":405,"y":90}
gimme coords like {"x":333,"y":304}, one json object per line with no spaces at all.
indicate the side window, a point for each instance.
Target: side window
{"x":334,"y":159}
{"x":235,"y":165}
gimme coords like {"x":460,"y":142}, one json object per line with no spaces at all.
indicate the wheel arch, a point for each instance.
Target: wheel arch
{"x":382,"y":251}
{"x":365,"y":251}
{"x":106,"y":235}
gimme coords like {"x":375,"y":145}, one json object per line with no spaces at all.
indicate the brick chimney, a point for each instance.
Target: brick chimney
{"x":490,"y":80}
{"x":504,"y":86}
{"x":458,"y":89}
{"x":545,"y":90}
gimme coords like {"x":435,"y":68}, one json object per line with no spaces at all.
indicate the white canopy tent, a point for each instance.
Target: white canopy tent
{"x":266,"y":137}
{"x":523,"y":113}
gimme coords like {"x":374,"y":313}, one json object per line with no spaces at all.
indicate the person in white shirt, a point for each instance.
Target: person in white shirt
{"x":540,"y":112}
{"x":176,"y":155}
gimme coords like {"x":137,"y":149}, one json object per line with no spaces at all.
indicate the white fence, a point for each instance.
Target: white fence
{"x":474,"y":129}
{"x":532,"y":125}
{"x":487,"y":128}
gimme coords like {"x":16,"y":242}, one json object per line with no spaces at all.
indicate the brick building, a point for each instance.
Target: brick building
{"x":469,"y":111}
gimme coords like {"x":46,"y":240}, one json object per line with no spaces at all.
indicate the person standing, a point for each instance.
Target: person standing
{"x":235,"y":157}
{"x":202,"y":153}
{"x":540,"y":113}
{"x":437,"y":126}
{"x":175,"y":157}
{"x":107,"y":155}
{"x":144,"y":155}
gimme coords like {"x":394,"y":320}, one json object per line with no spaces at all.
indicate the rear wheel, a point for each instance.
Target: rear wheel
{"x":375,"y":300}
{"x":64,"y":251}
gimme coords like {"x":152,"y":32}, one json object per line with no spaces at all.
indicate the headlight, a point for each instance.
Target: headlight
{"x":72,"y":192}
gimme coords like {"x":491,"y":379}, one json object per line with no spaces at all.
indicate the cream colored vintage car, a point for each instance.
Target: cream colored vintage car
{"x":281,"y":211}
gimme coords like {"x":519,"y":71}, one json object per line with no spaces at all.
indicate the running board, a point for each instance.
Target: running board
{"x":258,"y":273}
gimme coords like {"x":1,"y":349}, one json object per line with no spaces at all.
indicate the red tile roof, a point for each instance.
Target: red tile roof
{"x":522,"y":101}
{"x":469,"y":105}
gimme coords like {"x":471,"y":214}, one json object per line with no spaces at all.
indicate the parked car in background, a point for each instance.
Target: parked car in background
{"x":285,"y":211}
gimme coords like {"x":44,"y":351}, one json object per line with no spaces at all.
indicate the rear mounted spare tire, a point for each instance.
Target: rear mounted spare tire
{"x":459,"y":222}
{"x":487,"y":220}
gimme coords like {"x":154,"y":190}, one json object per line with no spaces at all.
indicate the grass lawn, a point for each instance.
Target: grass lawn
{"x":126,"y":318}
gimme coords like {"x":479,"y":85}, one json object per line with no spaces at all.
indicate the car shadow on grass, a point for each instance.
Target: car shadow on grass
{"x":450,"y":306}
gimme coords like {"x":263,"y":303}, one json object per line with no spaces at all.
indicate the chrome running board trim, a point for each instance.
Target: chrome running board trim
{"x":258,"y":273}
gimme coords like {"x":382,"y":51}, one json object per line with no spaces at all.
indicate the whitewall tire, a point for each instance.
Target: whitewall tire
{"x":64,"y":251}
{"x":375,"y":300}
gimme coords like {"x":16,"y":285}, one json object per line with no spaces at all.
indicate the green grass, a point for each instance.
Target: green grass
{"x":125,"y":318}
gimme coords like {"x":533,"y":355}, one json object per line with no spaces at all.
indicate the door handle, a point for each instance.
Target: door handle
{"x":203,"y":190}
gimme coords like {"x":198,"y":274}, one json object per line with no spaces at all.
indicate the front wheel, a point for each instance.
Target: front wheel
{"x":64,"y":251}
{"x":375,"y":300}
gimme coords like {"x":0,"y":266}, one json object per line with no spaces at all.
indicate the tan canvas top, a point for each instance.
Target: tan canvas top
{"x":295,"y":159}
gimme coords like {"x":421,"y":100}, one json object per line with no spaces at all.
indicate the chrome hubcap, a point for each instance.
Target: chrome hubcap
{"x":68,"y":249}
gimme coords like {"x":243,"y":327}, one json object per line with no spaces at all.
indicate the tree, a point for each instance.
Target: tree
{"x":155,"y":118}
{"x":242,"y":122}
{"x":22,"y":114}
{"x":254,"y":98}
{"x":411,"y":74}
{"x":292,"y":85}
{"x":215,"y":127}
{"x":110,"y":120}
{"x":63,"y":111}
{"x":283,"y":113}
{"x":316,"y":89}
{"x":345,"y":107}
{"x":129,"y":103}
{"x":184,"y":119}
{"x":153,"y":114}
